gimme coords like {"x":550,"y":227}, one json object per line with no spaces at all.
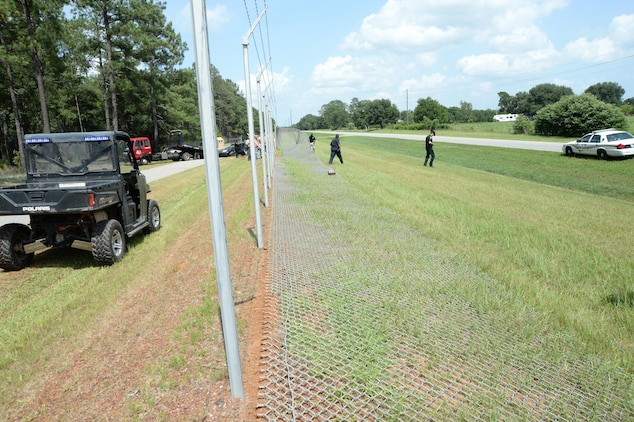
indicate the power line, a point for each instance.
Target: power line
{"x":247,"y":10}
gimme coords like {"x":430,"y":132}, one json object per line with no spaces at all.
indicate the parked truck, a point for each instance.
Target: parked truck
{"x":142,"y":149}
{"x":185,"y":152}
{"x":176,"y":151}
{"x":83,"y":190}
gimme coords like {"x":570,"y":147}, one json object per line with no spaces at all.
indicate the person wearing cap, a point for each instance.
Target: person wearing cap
{"x":429,"y":147}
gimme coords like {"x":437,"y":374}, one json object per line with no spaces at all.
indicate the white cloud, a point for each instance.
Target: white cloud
{"x":502,"y":36}
{"x":335,"y":71}
{"x":509,"y":17}
{"x":409,"y":25}
{"x":282,"y":82}
{"x":362,"y":73}
{"x":622,"y":29}
{"x":408,"y":37}
{"x":597,"y":50}
{"x":521,"y":38}
{"x":426,"y":84}
{"x":463,"y":50}
{"x":217,"y":17}
{"x":405,"y":37}
{"x":434,"y":80}
{"x":401,"y":25}
{"x":484,"y":64}
{"x":519,"y":62}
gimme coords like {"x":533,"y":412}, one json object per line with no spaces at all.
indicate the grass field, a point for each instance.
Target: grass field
{"x":553,"y":229}
{"x":64,"y":306}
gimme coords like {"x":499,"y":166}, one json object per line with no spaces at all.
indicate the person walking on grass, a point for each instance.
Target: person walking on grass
{"x":335,"y":149}
{"x":429,"y":147}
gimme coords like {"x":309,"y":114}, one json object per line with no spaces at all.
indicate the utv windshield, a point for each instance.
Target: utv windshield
{"x":70,"y":156}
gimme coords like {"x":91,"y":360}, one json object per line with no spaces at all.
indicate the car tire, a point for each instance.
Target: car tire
{"x":569,"y":152}
{"x":12,"y":256}
{"x":108,"y":242}
{"x":602,"y":154}
{"x":186,"y":156}
{"x":153,"y":217}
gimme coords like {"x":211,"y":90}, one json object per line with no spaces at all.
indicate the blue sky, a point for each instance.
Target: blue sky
{"x":403,"y":50}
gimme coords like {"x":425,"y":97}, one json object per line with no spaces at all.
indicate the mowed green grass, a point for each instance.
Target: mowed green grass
{"x":556,"y":231}
{"x":49,"y":309}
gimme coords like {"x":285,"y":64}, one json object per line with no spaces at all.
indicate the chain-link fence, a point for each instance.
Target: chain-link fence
{"x":366,"y":321}
{"x":287,"y":137}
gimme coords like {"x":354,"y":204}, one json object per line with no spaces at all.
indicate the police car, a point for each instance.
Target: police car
{"x":603,"y":144}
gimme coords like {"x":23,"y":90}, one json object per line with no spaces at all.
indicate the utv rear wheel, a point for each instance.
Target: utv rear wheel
{"x":12,"y":238}
{"x":108,"y":242}
{"x":153,"y":217}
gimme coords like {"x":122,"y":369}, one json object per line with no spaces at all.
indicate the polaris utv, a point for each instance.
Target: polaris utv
{"x":83,"y":190}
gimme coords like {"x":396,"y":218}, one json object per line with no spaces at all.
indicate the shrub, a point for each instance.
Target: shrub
{"x":574,"y":115}
{"x":523,"y":126}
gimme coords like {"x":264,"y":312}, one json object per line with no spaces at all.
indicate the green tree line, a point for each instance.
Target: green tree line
{"x":84,"y":65}
{"x":546,"y":109}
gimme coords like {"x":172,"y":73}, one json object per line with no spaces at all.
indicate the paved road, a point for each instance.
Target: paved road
{"x":158,"y":172}
{"x":151,"y":174}
{"x":502,"y":143}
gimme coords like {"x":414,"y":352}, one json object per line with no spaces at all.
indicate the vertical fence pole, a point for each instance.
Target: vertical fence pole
{"x":264,"y":145}
{"x":214,"y":191}
{"x":247,"y":88}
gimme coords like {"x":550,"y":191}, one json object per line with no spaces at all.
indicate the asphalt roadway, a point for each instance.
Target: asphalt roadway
{"x":502,"y":143}
{"x":159,"y":172}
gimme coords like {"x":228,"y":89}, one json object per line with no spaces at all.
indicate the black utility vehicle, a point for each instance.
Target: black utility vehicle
{"x":238,"y":148}
{"x":83,"y":190}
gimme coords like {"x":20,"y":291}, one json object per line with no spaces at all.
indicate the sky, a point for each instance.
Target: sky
{"x":312,"y":52}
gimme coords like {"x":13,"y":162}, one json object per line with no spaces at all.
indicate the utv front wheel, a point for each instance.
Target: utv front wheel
{"x":108,"y":242}
{"x":12,"y":238}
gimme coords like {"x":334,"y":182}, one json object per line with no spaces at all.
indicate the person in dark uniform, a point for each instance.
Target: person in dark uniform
{"x":429,"y":147}
{"x":335,"y":149}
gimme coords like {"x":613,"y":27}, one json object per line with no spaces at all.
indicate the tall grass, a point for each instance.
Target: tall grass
{"x":554,"y":230}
